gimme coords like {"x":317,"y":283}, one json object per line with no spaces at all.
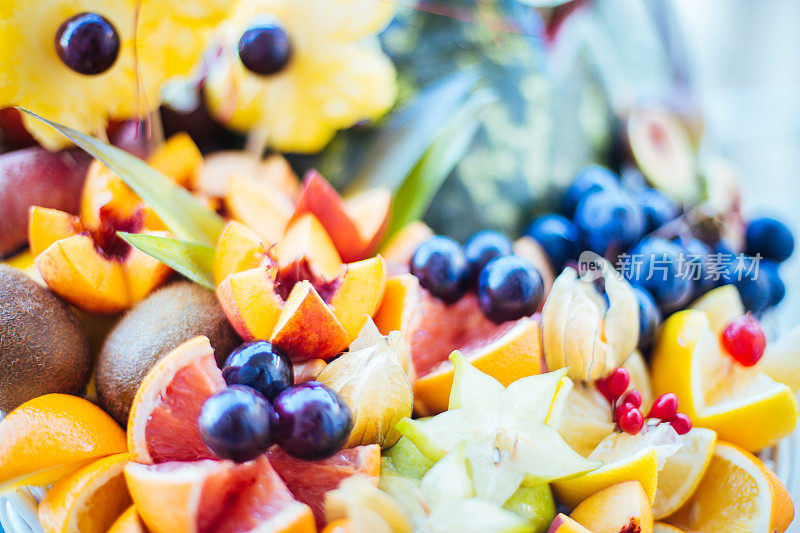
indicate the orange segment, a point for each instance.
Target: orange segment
{"x":263,"y":208}
{"x":163,"y":422}
{"x":88,"y":500}
{"x":307,"y":326}
{"x":359,"y":294}
{"x":250,"y":303}
{"x":215,"y":495}
{"x":306,"y":238}
{"x":178,"y":157}
{"x":46,"y":226}
{"x":128,"y":522}
{"x":737,"y":493}
{"x":239,"y":249}
{"x":49,"y":436}
{"x":516,"y":353}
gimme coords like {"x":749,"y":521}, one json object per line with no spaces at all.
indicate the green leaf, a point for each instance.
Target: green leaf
{"x":415,"y":194}
{"x":195,"y":261}
{"x":183,"y":214}
{"x":398,"y":147}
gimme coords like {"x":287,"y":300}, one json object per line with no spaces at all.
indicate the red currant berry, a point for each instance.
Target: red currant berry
{"x":634,"y":398}
{"x":680,"y":423}
{"x":615,"y":384}
{"x":744,"y":339}
{"x":664,"y":407}
{"x":621,"y":409}
{"x":631,"y":421}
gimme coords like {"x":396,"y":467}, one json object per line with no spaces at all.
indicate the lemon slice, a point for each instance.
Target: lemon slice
{"x":780,"y":361}
{"x":737,"y":493}
{"x":743,"y":405}
{"x":721,"y":305}
{"x":683,"y":471}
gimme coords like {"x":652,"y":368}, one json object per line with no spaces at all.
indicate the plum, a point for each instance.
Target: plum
{"x":34,"y":176}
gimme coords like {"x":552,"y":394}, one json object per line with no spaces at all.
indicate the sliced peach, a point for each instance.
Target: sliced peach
{"x":178,"y":158}
{"x":306,"y":238}
{"x":74,"y":270}
{"x":308,"y":326}
{"x":356,"y":227}
{"x":403,"y":244}
{"x":239,"y":249}
{"x":104,"y":189}
{"x":359,"y":294}
{"x":144,"y":273}
{"x":265,"y":209}
{"x":251,"y":303}
{"x":399,"y":309}
{"x":47,"y":226}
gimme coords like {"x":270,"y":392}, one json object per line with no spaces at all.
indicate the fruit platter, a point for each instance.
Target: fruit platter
{"x":248,"y":285}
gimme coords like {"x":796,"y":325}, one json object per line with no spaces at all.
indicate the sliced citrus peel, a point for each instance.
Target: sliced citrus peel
{"x":582,"y":333}
{"x":743,"y":405}
{"x":371,"y":380}
{"x":507,"y":439}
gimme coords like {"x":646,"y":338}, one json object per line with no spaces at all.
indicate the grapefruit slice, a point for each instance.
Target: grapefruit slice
{"x":507,"y":351}
{"x":163,"y":421}
{"x":218,"y":496}
{"x":309,"y":481}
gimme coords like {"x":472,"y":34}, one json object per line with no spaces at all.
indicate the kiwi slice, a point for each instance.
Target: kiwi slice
{"x":44,"y":348}
{"x":149,"y":331}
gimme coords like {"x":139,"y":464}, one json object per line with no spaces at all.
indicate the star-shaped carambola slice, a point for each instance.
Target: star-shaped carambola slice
{"x":507,"y":440}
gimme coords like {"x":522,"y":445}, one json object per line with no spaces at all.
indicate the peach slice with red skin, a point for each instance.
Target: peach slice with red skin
{"x":297,"y":294}
{"x":356,"y":225}
{"x":92,"y":268}
{"x":260,"y":206}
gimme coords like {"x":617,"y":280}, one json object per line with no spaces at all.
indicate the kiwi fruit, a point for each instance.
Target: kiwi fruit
{"x":44,"y":348}
{"x":148,"y":332}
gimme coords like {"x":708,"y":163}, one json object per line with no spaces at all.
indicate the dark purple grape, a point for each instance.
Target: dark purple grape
{"x":649,"y":317}
{"x":237,"y":423}
{"x":261,"y":366}
{"x":769,"y":238}
{"x":755,"y":287}
{"x":484,"y":246}
{"x":87,"y":43}
{"x":656,"y":264}
{"x":609,"y":221}
{"x":777,"y":289}
{"x":590,"y":179}
{"x":657,"y":207}
{"x":313,"y":422}
{"x":558,"y":236}
{"x":441,"y":268}
{"x":510,"y":288}
{"x":265,"y":49}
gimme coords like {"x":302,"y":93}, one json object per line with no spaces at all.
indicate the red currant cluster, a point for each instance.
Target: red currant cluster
{"x":744,"y":339}
{"x":627,"y":406}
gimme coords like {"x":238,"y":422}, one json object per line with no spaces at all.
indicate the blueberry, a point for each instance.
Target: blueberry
{"x":591,"y":179}
{"x":770,"y":238}
{"x":441,"y":268}
{"x":484,"y":246}
{"x":558,"y":236}
{"x":314,"y":422}
{"x":260,"y":365}
{"x":510,"y":288}
{"x":656,"y":265}
{"x":237,"y":423}
{"x":649,"y":317}
{"x":658,"y":209}
{"x":265,"y":49}
{"x":697,"y":260}
{"x":777,"y":289}
{"x":87,"y":43}
{"x":609,"y":222}
{"x":754,"y":287}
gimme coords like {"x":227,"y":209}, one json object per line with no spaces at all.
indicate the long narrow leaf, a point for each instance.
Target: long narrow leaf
{"x":195,"y":261}
{"x":398,"y":147}
{"x":414,"y":196}
{"x":183,"y":214}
